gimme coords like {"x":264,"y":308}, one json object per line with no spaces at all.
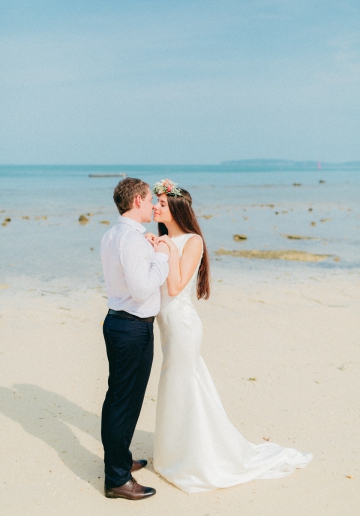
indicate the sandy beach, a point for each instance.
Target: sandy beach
{"x":284,"y":356}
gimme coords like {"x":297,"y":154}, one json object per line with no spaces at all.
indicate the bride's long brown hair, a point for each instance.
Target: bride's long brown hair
{"x":184,"y":216}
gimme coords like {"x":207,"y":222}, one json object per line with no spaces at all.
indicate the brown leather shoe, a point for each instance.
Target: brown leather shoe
{"x":138,"y":464}
{"x":131,"y":491}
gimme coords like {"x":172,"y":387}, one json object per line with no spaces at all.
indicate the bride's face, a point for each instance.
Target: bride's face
{"x":161,"y":210}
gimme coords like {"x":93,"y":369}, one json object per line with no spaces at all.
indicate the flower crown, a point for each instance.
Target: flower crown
{"x":167,"y":187}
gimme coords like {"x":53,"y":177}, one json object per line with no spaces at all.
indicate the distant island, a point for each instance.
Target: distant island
{"x":282,"y":164}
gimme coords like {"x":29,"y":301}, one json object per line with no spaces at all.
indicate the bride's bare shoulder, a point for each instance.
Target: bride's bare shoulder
{"x":194,"y":244}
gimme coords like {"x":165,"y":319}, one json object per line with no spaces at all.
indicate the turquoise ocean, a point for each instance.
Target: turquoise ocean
{"x":44,"y":242}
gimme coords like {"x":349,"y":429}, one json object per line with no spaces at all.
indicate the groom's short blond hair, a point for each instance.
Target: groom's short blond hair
{"x":126,"y":191}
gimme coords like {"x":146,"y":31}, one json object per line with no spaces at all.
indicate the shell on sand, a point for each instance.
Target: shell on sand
{"x":287,"y":254}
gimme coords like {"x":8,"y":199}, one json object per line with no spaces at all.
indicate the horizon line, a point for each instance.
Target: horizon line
{"x":226,"y":162}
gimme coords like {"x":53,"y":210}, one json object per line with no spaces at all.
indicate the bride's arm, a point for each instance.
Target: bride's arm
{"x":182,"y":269}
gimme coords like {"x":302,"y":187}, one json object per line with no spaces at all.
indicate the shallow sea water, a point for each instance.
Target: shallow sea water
{"x":51,"y":246}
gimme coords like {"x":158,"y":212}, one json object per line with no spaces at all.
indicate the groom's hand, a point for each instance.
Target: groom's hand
{"x":161,"y":247}
{"x":153,"y":239}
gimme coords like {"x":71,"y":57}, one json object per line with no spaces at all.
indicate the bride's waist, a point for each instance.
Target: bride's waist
{"x":176,"y":302}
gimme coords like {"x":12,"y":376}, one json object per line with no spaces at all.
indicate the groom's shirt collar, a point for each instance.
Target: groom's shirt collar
{"x":133,"y":223}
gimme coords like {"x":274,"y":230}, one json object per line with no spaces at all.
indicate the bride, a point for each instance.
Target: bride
{"x":196,"y":447}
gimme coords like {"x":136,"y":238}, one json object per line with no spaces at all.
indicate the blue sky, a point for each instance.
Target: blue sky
{"x":100,"y":81}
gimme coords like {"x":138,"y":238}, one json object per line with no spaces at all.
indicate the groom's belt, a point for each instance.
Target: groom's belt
{"x":125,"y":315}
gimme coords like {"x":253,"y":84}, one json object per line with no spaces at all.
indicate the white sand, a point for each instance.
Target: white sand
{"x":301,"y":342}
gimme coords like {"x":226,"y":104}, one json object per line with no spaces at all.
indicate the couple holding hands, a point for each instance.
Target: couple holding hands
{"x":196,"y":447}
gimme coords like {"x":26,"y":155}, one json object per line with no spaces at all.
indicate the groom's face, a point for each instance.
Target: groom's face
{"x":146,"y":207}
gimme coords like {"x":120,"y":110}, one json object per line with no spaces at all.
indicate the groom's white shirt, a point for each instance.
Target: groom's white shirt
{"x":133,"y":272}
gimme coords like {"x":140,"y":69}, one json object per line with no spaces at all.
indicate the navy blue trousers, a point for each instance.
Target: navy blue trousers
{"x":130,"y":348}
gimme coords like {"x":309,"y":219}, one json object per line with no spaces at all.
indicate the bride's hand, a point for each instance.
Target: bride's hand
{"x":153,"y":239}
{"x":168,"y":241}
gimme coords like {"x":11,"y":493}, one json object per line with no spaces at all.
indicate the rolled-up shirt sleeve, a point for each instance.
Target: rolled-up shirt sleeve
{"x":143,"y":274}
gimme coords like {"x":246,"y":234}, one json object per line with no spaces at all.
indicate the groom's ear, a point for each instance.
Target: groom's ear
{"x":137,"y":201}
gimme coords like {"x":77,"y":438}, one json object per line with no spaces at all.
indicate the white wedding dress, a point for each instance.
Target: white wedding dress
{"x":196,"y":447}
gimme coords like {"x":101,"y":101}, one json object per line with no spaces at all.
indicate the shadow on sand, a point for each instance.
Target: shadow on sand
{"x":49,"y":416}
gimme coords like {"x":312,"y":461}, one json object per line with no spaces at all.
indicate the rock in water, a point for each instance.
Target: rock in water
{"x":286,"y":254}
{"x":83,"y":219}
{"x":298,"y":237}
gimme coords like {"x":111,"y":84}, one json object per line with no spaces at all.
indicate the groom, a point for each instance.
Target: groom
{"x":133,"y":271}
